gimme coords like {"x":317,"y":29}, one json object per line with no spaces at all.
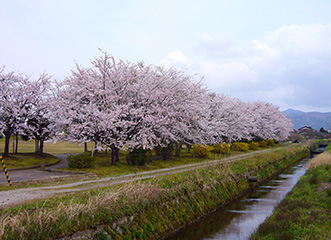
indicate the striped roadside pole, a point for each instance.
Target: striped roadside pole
{"x":5,"y":170}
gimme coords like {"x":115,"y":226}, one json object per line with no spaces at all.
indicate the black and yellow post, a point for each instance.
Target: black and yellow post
{"x":5,"y":170}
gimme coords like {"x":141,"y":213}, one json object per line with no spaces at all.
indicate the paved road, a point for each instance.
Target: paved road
{"x":36,"y":174}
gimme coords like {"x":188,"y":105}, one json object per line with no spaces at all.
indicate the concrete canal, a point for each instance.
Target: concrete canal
{"x":239,"y":219}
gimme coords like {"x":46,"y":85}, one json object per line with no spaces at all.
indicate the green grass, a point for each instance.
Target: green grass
{"x":20,"y":160}
{"x":27,"y":158}
{"x":328,"y":148}
{"x":66,"y":147}
{"x":102,"y":165}
{"x":45,"y":182}
{"x":50,"y":147}
{"x":305,"y":213}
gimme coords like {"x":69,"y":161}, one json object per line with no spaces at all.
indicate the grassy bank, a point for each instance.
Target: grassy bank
{"x":147,"y":209}
{"x":20,"y":160}
{"x":305,"y":212}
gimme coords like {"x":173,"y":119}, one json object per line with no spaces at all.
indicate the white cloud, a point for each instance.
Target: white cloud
{"x":288,"y":67}
{"x":175,"y":58}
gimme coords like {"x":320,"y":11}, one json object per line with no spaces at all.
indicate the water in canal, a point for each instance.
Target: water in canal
{"x":239,"y":219}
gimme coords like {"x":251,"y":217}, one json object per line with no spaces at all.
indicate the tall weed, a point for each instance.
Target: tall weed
{"x":320,"y":159}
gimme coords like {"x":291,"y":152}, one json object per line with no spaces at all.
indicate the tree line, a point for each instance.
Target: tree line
{"x":117,"y":104}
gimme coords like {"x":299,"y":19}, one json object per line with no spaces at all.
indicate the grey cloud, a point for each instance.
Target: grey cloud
{"x":293,"y":59}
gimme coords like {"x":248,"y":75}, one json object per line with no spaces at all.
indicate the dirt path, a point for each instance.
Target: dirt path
{"x":23,"y":195}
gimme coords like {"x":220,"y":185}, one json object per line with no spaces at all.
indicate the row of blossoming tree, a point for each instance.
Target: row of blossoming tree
{"x":119,"y":104}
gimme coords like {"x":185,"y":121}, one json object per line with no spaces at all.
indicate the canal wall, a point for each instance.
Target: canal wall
{"x":190,"y":196}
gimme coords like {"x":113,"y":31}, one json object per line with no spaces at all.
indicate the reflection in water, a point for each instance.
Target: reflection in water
{"x":239,"y":219}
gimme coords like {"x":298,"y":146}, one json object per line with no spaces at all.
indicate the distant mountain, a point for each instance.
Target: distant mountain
{"x":316,"y":120}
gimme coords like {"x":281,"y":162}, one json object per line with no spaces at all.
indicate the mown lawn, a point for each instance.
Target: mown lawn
{"x":50,"y":147}
{"x":26,"y":156}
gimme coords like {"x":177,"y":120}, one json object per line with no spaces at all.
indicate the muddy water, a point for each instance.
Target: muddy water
{"x":239,"y":219}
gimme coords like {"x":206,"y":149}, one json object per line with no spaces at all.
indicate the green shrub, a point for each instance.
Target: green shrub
{"x":80,"y":161}
{"x":137,"y":156}
{"x":263,"y":143}
{"x":221,"y":148}
{"x":253,"y":145}
{"x":202,"y":151}
{"x":164,"y":152}
{"x":240,"y":146}
{"x":270,"y":142}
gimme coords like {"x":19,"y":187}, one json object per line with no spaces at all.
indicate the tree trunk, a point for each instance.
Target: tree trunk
{"x":85,"y":147}
{"x":36,"y":148}
{"x":166,"y":152}
{"x":7,"y":142}
{"x":158,"y":150}
{"x":95,"y":146}
{"x":188,"y":148}
{"x":178,"y":148}
{"x":117,"y":153}
{"x":16,"y":146}
{"x":114,"y":155}
{"x":150,"y":155}
{"x":41,"y":148}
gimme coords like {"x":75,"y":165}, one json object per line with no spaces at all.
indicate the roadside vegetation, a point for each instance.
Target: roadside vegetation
{"x":101,"y":161}
{"x":145,"y":208}
{"x":305,"y":213}
{"x":23,"y":160}
{"x":102,"y":166}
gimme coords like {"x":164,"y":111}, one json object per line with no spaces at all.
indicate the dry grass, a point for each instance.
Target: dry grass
{"x":78,"y":212}
{"x":321,"y":159}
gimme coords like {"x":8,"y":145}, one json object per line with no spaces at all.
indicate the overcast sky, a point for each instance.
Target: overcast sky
{"x":265,"y":50}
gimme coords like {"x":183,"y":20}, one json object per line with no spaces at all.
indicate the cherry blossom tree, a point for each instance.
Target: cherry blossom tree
{"x":99,"y":103}
{"x":179,"y":107}
{"x":231,"y":120}
{"x":121,"y":104}
{"x":270,"y":122}
{"x":15,"y":103}
{"x":39,"y":124}
{"x":234,"y":120}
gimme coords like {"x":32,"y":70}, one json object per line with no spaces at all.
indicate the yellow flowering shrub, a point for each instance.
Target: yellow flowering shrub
{"x":202,"y":151}
{"x":221,"y":148}
{"x":264,"y":143}
{"x":253,"y":145}
{"x":240,"y":146}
